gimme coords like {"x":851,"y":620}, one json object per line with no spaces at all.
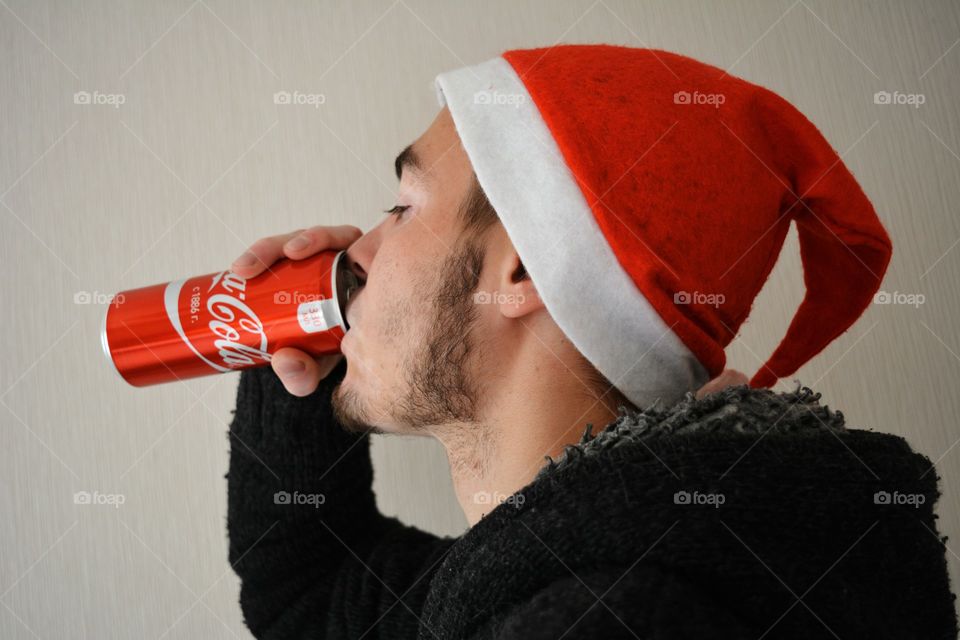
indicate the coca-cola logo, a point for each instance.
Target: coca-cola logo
{"x":229,"y":309}
{"x":234,"y":337}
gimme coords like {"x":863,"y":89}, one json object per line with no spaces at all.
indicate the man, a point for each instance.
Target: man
{"x":577,"y":236}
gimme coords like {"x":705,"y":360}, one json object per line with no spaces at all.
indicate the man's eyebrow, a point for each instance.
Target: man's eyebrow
{"x":409,"y":159}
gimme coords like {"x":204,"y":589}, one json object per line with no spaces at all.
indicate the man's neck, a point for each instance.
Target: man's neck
{"x":491,"y":461}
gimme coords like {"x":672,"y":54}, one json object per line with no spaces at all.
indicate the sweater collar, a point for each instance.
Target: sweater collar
{"x":612,"y":497}
{"x":736,"y":409}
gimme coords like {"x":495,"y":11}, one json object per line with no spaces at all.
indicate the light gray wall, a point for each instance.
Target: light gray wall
{"x":198,"y":161}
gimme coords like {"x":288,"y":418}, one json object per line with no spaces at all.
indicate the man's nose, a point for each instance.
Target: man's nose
{"x":357,"y":270}
{"x":360,"y":254}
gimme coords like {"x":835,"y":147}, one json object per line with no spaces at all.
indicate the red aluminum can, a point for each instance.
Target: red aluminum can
{"x":221,"y":322}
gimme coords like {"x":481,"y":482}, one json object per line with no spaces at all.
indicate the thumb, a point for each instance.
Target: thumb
{"x":297,"y":370}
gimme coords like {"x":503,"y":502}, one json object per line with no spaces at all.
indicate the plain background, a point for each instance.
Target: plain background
{"x":199,"y":161}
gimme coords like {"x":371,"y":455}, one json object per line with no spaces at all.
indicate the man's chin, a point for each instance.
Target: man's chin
{"x":350,"y":410}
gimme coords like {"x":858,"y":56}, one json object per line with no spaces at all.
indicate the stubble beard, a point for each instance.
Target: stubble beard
{"x":441,"y":393}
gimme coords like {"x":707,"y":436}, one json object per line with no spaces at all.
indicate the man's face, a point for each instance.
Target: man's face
{"x":409,"y":343}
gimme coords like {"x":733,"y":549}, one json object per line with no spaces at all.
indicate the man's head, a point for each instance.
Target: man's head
{"x":447,"y":310}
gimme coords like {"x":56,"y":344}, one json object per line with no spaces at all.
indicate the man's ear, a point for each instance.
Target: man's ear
{"x":517,"y":296}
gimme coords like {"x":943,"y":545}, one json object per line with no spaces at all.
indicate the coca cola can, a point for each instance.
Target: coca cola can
{"x":221,"y":322}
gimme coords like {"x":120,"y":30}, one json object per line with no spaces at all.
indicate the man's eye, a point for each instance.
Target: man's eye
{"x":397,"y":210}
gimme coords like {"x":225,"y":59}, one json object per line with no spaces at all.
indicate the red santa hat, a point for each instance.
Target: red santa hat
{"x":648,"y":196}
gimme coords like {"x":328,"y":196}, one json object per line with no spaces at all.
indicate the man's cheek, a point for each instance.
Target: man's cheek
{"x":394,"y":316}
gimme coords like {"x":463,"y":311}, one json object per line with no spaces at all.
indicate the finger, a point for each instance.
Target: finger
{"x":261,"y":254}
{"x":728,"y":378}
{"x":735,"y":378}
{"x":320,"y":238}
{"x":298,"y":371}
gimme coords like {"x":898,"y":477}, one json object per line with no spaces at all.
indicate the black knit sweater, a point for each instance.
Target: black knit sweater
{"x":745,"y":514}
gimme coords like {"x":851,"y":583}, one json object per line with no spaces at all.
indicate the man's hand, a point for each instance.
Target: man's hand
{"x":299,"y":371}
{"x":728,"y":378}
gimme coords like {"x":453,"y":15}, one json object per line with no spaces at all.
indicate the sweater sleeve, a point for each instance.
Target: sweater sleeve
{"x":314,"y":555}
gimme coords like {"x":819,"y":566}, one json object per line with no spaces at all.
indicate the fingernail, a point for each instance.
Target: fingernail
{"x":291,"y":367}
{"x":298,"y":243}
{"x":246,"y":260}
